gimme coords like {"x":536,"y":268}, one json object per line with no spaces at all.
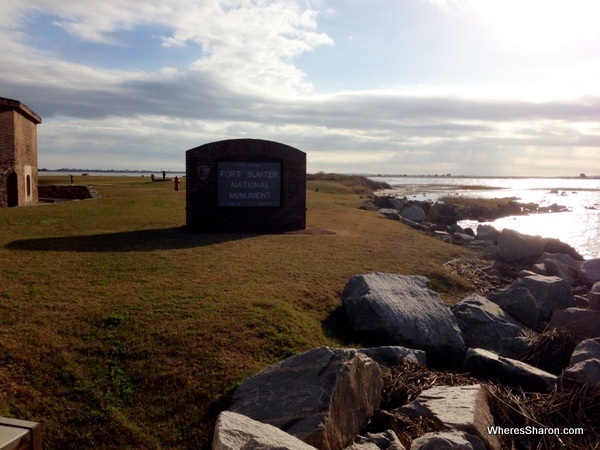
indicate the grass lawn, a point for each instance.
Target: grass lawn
{"x":121,"y":329}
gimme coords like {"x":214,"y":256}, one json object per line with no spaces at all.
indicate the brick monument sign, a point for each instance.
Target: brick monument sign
{"x":18,"y":153}
{"x":246,"y":185}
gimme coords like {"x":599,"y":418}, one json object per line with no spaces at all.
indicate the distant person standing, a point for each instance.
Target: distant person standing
{"x":164,"y":175}
{"x":176,"y":182}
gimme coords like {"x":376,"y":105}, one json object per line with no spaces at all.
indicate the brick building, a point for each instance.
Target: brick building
{"x":18,"y":153}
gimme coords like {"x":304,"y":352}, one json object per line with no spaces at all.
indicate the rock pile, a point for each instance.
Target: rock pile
{"x":446,"y":214}
{"x":440,"y":220}
{"x":326,"y":398}
{"x":389,"y":309}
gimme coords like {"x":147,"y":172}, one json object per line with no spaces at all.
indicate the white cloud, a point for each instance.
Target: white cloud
{"x":253,"y":47}
{"x":247,"y":44}
{"x":439,"y":141}
{"x":246,"y":84}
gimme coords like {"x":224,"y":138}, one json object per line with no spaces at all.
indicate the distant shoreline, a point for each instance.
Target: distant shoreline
{"x":491,"y":177}
{"x":144,"y":171}
{"x":108,"y":171}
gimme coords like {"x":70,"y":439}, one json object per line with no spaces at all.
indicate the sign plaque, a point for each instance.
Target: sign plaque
{"x":248,"y":184}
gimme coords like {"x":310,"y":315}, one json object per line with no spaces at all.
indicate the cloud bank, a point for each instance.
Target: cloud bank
{"x":239,"y":78}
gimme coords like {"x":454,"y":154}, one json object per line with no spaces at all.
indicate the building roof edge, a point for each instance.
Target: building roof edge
{"x":8,"y":104}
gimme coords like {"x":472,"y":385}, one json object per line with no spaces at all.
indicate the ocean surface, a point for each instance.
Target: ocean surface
{"x":579,"y":226}
{"x":106,"y":173}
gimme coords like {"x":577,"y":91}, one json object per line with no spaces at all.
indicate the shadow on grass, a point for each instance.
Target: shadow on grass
{"x":128,"y":241}
{"x":336,"y":326}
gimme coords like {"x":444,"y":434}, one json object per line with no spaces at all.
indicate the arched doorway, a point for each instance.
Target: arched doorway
{"x":12,"y":190}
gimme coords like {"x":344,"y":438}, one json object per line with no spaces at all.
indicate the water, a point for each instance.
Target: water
{"x":103,"y":173}
{"x":579,"y":227}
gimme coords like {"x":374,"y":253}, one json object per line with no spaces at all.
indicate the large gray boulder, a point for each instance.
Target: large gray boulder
{"x":487,"y":233}
{"x":389,"y":213}
{"x":591,"y":268}
{"x":386,"y":440}
{"x":488,"y":365}
{"x":324,"y":397}
{"x":392,"y":355}
{"x":587,"y":371}
{"x":514,"y":246}
{"x":462,"y":238}
{"x":400,"y":310}
{"x":514,"y":348}
{"x":535,"y":306}
{"x":484,"y":324}
{"x":553,"y":245}
{"x":594,"y":296}
{"x":583,"y":323}
{"x":397,"y":203}
{"x":447,"y":440}
{"x":413,"y":224}
{"x":414,"y":213}
{"x":584,"y":366}
{"x":463,"y":408}
{"x":563,"y":266}
{"x":519,"y":303}
{"x":587,"y":349}
{"x":235,"y":431}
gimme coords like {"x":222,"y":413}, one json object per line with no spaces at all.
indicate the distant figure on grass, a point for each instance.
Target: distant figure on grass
{"x":176,"y":183}
{"x":164,"y":175}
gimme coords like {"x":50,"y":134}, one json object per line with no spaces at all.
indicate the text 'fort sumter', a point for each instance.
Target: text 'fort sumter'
{"x":249,"y":184}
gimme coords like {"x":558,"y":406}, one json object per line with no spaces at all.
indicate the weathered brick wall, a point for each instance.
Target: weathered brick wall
{"x":25,"y":141}
{"x":26,"y":155}
{"x":18,"y":152}
{"x":7,"y":155}
{"x":202,"y":209}
{"x":7,"y":139}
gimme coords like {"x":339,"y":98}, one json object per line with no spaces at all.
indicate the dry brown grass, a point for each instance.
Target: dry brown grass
{"x":401,"y":385}
{"x":564,"y":407}
{"x":568,"y":406}
{"x":551,"y":351}
{"x":404,"y":382}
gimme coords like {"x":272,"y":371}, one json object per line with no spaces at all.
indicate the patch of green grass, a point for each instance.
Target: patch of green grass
{"x":476,"y":201}
{"x":121,"y":329}
{"x":49,"y":222}
{"x":335,"y":183}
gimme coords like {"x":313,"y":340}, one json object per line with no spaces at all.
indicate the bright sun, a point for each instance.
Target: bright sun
{"x":541,"y":24}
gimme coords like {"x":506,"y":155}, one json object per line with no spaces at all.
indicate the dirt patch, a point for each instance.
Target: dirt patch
{"x":312,"y":231}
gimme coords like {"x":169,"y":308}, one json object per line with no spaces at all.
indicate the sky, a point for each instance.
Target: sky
{"x":465,"y":87}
